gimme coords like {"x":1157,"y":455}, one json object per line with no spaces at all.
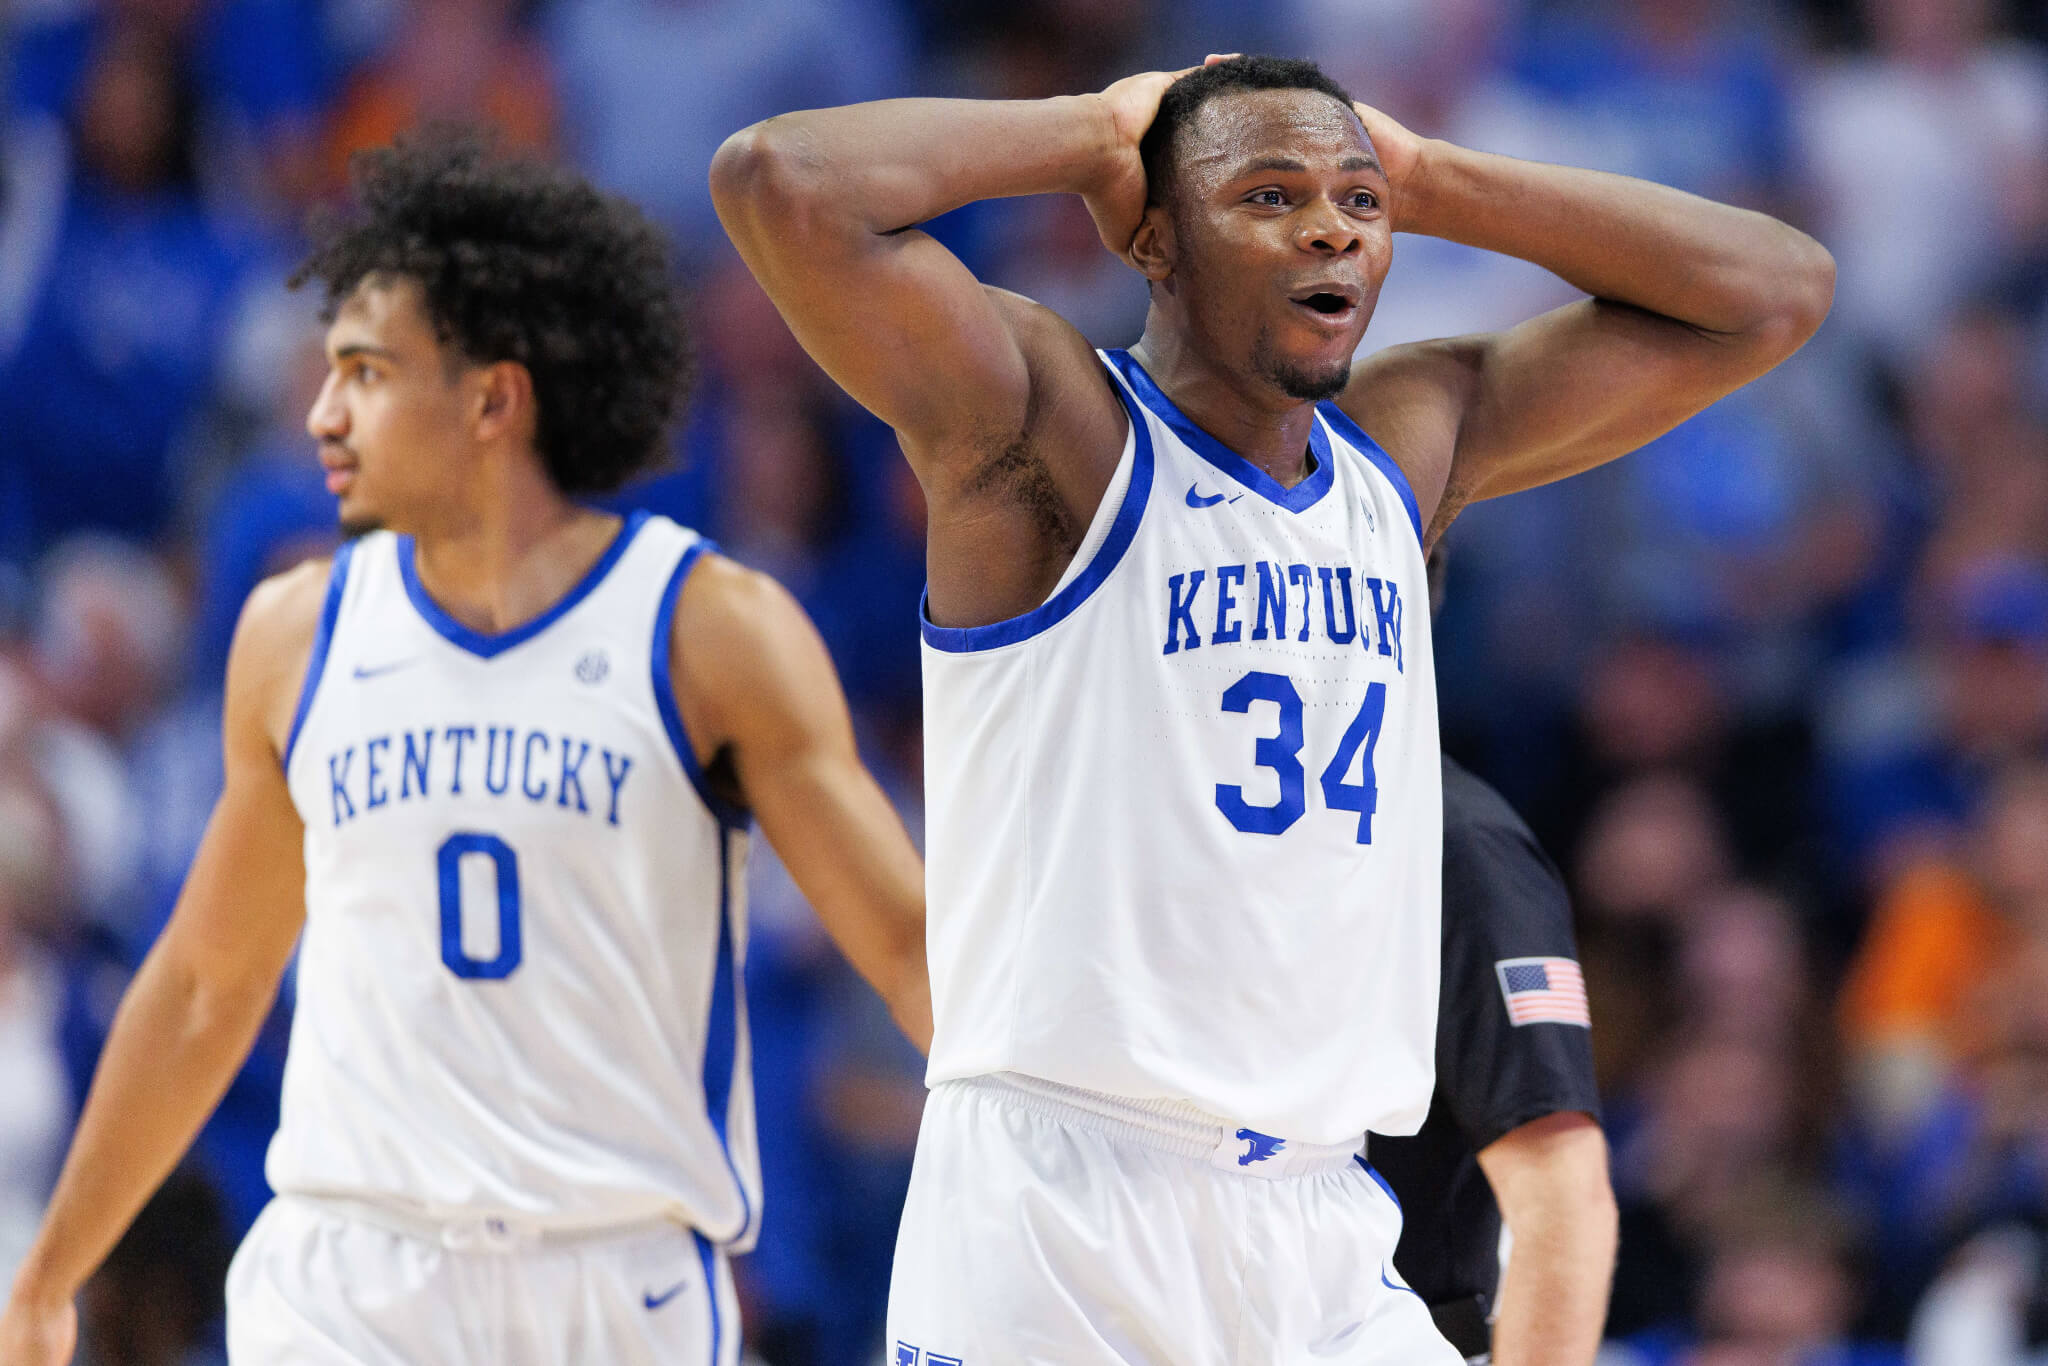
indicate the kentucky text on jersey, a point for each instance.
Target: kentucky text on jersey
{"x":538,"y":766}
{"x":1266,"y":600}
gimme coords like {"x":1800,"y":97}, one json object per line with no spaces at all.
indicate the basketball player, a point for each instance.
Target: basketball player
{"x":498,"y":760}
{"x":1181,"y":753}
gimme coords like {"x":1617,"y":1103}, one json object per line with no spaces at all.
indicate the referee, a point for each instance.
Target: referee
{"x":1513,"y":1133}
{"x":1514,"y":1125}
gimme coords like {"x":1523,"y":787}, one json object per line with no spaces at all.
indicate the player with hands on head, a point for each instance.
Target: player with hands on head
{"x":497,"y":760}
{"x":1183,"y":785}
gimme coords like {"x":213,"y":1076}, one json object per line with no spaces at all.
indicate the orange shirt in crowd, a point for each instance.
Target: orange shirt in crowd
{"x":1931,"y":944}
{"x":516,"y":96}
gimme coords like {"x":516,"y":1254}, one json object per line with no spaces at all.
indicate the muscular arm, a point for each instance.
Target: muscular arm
{"x":823,"y":205}
{"x":756,"y":682}
{"x":190,"y":1016}
{"x":999,"y":405}
{"x":1550,"y":1179}
{"x":1690,"y":301}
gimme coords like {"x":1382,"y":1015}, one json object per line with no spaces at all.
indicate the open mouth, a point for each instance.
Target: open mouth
{"x":1332,"y":306}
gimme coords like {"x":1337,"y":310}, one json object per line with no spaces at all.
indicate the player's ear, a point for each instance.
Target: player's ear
{"x":503,"y":405}
{"x":1152,"y":248}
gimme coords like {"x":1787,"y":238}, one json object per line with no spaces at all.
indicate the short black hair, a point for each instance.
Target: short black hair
{"x":1178,"y":106}
{"x":524,"y":261}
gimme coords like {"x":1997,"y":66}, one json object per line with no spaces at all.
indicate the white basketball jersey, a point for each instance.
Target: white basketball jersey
{"x":519,"y":989}
{"x":1184,"y":819}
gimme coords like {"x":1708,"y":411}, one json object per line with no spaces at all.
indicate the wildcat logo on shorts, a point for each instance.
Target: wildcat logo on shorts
{"x":1259,"y":1146}
{"x":907,"y":1355}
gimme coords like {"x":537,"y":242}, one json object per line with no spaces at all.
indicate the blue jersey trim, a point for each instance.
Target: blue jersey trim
{"x":708,"y":1255}
{"x":722,"y":1031}
{"x":1340,"y":422}
{"x":1379,"y":1180}
{"x":1391,"y":1285}
{"x":1061,"y":605}
{"x":323,"y":637}
{"x":489,"y":646}
{"x":1300,"y":498}
{"x":665,"y":690}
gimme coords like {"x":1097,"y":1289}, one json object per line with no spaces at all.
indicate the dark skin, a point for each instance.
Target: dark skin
{"x":1008,"y":417}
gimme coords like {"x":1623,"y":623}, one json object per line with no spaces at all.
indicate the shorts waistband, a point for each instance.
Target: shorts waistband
{"x":1168,"y":1125}
{"x":482,"y":1232}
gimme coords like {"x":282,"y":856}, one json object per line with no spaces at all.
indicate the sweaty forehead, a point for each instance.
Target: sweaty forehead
{"x":1240,"y":126}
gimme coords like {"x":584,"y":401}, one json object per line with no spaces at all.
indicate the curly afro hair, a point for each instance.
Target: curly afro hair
{"x":1177,"y":107}
{"x":522,"y":261}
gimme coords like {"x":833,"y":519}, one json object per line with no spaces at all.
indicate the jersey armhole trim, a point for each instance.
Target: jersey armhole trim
{"x":323,"y":638}
{"x":727,"y":812}
{"x":1341,"y":423}
{"x":1061,"y":605}
{"x":723,"y":1029}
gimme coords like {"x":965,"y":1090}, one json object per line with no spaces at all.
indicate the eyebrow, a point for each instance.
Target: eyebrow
{"x":1281,"y":163}
{"x":354,"y":349}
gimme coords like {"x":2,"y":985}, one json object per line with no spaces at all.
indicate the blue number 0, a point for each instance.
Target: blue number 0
{"x":1281,"y":753}
{"x":506,"y":865}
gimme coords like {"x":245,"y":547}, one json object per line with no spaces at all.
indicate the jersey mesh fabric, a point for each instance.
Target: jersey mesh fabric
{"x":1184,"y":818}
{"x":518,"y":990}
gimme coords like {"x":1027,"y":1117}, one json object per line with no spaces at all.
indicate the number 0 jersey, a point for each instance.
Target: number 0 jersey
{"x":1184,"y":819}
{"x":519,"y":985}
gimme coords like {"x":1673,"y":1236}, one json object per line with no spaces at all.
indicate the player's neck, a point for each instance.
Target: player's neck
{"x":510,"y":554}
{"x":1267,"y":428}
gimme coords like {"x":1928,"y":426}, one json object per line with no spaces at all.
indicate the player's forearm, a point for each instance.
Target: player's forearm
{"x":888,"y":165}
{"x":1552,"y":1302}
{"x":175,"y":1045}
{"x":1721,"y":269}
{"x":882,"y":935}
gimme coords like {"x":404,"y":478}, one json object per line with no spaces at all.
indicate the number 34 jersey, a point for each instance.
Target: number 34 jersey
{"x":519,"y":986}
{"x":1184,"y":819}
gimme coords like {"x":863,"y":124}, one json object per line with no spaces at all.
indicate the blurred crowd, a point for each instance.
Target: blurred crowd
{"x":1774,"y":690}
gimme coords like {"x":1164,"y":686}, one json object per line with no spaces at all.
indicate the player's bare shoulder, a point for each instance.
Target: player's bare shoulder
{"x":1412,"y":400}
{"x":272,"y":647}
{"x":742,"y":653}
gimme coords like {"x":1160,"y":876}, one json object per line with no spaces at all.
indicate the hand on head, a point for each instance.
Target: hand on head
{"x":1399,"y":150}
{"x":1118,"y":202}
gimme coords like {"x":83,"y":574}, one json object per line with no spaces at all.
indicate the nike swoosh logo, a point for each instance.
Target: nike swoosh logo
{"x":1196,"y":500}
{"x":654,"y":1301}
{"x":362,"y":672}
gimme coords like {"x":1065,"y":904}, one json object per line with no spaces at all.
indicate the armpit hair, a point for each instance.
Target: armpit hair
{"x":1017,"y":474}
{"x":1447,"y":509}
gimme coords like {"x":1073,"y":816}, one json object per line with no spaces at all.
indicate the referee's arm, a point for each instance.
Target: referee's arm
{"x":1549,"y":1177}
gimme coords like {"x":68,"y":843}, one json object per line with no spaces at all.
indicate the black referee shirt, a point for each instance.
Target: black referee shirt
{"x":1503,"y":900}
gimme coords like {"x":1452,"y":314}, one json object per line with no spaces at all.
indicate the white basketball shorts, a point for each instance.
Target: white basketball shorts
{"x":325,"y":1283}
{"x":1051,"y":1225}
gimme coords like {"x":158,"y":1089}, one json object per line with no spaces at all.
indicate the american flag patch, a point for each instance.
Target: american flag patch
{"x":1543,"y":991}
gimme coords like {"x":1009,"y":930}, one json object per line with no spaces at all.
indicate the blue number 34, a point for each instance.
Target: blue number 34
{"x":1282,"y":754}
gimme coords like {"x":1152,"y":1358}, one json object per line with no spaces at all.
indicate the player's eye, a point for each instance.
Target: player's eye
{"x":1270,"y":197}
{"x":1365,"y":199}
